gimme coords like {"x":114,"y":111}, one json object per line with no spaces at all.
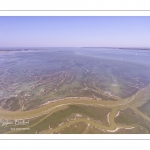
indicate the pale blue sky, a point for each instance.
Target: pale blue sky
{"x":74,"y":31}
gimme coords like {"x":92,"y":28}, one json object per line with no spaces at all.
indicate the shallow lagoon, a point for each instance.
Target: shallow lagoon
{"x":31,"y":77}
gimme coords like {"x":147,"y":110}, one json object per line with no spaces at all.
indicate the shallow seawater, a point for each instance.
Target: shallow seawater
{"x":30,"y":77}
{"x":125,"y":55}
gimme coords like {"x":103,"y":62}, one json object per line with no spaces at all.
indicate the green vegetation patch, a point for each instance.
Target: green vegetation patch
{"x":52,"y":121}
{"x":94,"y":130}
{"x":129,"y":117}
{"x":126,"y":130}
{"x":4,"y":129}
{"x":77,"y":128}
{"x":145,"y":108}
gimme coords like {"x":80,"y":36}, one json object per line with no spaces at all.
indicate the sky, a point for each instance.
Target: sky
{"x":74,"y":31}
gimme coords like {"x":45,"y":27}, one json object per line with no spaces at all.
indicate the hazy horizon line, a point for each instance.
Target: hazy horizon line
{"x":71,"y":47}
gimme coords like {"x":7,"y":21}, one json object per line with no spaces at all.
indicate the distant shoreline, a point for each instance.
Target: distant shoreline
{"x":39,"y":49}
{"x":121,"y":48}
